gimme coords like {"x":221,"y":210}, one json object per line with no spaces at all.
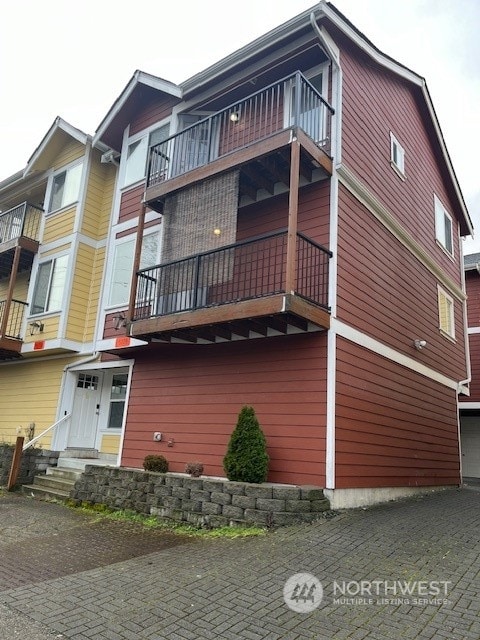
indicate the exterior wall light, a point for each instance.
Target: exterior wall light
{"x":217,"y":232}
{"x":119,"y":321}
{"x":36,"y":327}
{"x":420,"y":344}
{"x":234,"y":116}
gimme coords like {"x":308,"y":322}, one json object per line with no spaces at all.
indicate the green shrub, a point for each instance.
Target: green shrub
{"x":246,"y":459}
{"x":155,"y":463}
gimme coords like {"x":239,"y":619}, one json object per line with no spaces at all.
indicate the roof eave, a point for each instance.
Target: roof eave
{"x":139,"y":77}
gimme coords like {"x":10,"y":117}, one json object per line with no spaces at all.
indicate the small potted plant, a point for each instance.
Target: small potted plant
{"x":156,"y":463}
{"x":195,"y":469}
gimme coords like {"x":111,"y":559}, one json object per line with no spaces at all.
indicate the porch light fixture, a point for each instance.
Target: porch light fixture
{"x":234,"y":116}
{"x":119,"y":321}
{"x":217,"y":232}
{"x":420,"y":344}
{"x":36,"y":327}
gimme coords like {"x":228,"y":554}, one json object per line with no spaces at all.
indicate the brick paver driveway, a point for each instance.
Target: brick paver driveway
{"x":63,"y":577}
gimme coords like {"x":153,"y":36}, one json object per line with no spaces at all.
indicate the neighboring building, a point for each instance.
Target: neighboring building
{"x":470,"y":405}
{"x":53,"y":228}
{"x":295,"y":223}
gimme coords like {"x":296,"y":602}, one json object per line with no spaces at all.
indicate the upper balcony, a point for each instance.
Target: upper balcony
{"x":19,"y":234}
{"x":252,"y":134}
{"x":272,"y":285}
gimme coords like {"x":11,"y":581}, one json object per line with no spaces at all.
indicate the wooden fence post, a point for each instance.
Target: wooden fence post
{"x":16,"y":461}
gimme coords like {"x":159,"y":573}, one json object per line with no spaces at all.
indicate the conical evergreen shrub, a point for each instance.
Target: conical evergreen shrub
{"x":246,"y":459}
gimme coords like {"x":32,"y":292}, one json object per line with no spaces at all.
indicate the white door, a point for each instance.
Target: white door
{"x":470,"y":434}
{"x":86,"y":409}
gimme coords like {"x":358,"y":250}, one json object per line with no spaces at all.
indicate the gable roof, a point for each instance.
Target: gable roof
{"x":41,"y":157}
{"x":117,"y":116}
{"x":328,"y":12}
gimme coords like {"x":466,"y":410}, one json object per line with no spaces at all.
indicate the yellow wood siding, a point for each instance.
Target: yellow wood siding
{"x":29,"y":393}
{"x":110,"y":444}
{"x":59,"y":225}
{"x":50,"y":330}
{"x":83,"y":302}
{"x":98,"y":201}
{"x":20,"y":289}
{"x":69,"y":152}
{"x":61,"y":249}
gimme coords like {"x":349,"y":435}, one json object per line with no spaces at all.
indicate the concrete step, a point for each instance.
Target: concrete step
{"x":44,"y":493}
{"x":79,"y":453}
{"x":80,"y":463}
{"x":60,"y":472}
{"x":53,"y":482}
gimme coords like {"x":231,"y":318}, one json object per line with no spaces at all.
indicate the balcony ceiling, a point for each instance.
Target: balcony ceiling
{"x":262,"y":165}
{"x":7,"y":252}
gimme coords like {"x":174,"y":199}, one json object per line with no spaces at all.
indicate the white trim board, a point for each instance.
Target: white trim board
{"x":363,"y":340}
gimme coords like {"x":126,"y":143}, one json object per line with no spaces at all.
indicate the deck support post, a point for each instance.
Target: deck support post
{"x":290,"y":276}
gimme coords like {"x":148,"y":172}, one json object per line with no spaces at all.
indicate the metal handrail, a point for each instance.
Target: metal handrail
{"x":251,"y":119}
{"x":13,"y":322}
{"x":254,"y":268}
{"x":55,"y":424}
{"x":21,"y":220}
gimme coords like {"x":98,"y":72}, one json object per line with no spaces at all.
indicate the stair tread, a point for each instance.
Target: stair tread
{"x":31,"y":488}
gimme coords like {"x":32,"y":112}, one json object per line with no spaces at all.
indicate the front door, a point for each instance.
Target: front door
{"x":86,"y":409}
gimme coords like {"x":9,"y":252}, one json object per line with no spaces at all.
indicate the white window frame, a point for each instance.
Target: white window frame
{"x":443,"y":227}
{"x":122,"y":241}
{"x":50,"y":285}
{"x":77,"y":166}
{"x":397,"y":155}
{"x":144,"y":140}
{"x":289,"y":95}
{"x":446,"y":324}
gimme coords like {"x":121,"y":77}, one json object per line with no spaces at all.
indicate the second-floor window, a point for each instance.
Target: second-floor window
{"x":50,"y":285}
{"x":66,"y":187}
{"x":137,"y":155}
{"x":446,"y":313}
{"x":443,"y":227}
{"x":397,"y":154}
{"x":123,"y":265}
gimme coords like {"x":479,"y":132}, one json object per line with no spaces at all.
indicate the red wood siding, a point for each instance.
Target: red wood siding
{"x":272,"y":214}
{"x":474,"y":342}
{"x":131,"y":203}
{"x":384,"y":291}
{"x":394,"y":427}
{"x":472,"y":286}
{"x":194,"y":394}
{"x":376,"y":102}
{"x":154,"y":110}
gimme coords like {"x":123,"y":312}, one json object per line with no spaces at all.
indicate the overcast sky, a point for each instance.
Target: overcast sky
{"x":73,"y":60}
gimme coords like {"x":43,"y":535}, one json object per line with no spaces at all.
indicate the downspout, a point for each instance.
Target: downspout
{"x":336,"y":151}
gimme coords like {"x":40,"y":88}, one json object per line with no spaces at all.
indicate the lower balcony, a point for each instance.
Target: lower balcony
{"x":11,"y":321}
{"x":272,"y":285}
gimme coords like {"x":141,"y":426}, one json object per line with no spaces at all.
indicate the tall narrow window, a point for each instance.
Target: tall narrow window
{"x":118,"y":394}
{"x":446,"y":313}
{"x":66,"y":187}
{"x":137,"y":153}
{"x":123,"y":266}
{"x":443,"y":227}
{"x":50,"y":285}
{"x":397,"y":154}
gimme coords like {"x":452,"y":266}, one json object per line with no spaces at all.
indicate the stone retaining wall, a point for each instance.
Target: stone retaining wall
{"x":34,"y":460}
{"x":201,"y":501}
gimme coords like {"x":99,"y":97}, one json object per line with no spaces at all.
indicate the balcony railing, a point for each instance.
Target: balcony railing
{"x":21,"y":221}
{"x":242,"y":271}
{"x":14,"y":320}
{"x":290,"y":102}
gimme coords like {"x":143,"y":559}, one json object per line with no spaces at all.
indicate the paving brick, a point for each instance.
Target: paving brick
{"x":87,"y":579}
